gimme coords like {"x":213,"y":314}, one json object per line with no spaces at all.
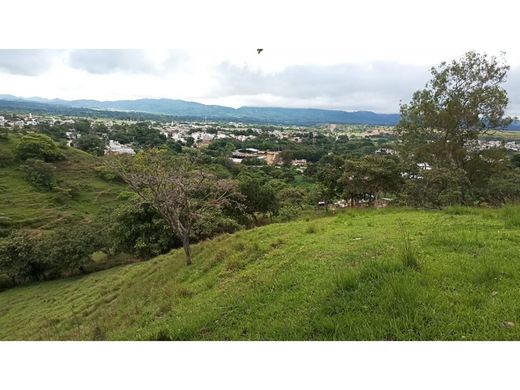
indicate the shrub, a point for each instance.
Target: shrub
{"x":138,"y":229}
{"x":20,"y":259}
{"x":38,"y":146}
{"x":39,"y":174}
{"x":6,"y":158}
{"x":289,"y":212}
{"x":68,"y":250}
{"x":107,"y":174}
{"x":5,"y":282}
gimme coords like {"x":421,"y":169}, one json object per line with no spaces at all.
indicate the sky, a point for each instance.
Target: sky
{"x":349,"y":56}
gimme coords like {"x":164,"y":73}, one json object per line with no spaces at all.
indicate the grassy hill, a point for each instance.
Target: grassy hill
{"x":29,"y":207}
{"x":360,"y":275}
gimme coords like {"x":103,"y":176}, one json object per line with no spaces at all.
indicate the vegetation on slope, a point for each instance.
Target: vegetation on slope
{"x":86,"y":193}
{"x":360,"y":275}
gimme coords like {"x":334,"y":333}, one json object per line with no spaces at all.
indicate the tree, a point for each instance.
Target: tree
{"x":371,"y":175}
{"x":139,"y":229}
{"x":68,"y":249}
{"x":258,"y":195}
{"x":176,"y":187}
{"x":463,"y":100}
{"x":292,"y":196}
{"x":3,"y":133}
{"x":38,"y":146}
{"x":19,"y":258}
{"x":92,"y":144}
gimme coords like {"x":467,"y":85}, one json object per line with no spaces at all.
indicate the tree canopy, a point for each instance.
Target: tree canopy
{"x":464,"y":99}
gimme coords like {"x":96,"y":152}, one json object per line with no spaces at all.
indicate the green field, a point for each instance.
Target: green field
{"x":391,"y":274}
{"x":28,"y":207}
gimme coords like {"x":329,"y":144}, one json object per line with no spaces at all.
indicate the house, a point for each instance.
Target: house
{"x":115,"y":147}
{"x":2,"y":121}
{"x":299,"y":163}
{"x":20,"y":124}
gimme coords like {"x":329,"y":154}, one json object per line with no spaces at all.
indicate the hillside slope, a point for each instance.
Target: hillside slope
{"x":29,"y":207}
{"x":350,"y":276}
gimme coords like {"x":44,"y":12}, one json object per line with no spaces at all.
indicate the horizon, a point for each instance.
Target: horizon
{"x":39,"y":99}
{"x":327,"y":79}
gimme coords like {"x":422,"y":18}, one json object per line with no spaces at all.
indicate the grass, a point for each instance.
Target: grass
{"x":30,"y":208}
{"x":452,"y":276}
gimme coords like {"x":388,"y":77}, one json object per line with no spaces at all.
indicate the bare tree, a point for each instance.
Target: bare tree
{"x":176,"y":187}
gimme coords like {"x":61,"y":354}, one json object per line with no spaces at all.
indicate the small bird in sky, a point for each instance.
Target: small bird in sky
{"x":258,"y":51}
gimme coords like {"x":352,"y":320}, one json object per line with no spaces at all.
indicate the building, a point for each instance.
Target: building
{"x":19,"y":124}
{"x":299,"y":163}
{"x":115,"y":147}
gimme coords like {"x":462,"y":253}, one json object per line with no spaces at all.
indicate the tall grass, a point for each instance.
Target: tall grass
{"x":407,"y":254}
{"x":511,"y":216}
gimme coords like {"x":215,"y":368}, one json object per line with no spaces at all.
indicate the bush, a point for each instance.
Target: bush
{"x":140,"y":230}
{"x":6,"y":158}
{"x":68,"y":250}
{"x":5,"y":282}
{"x":289,"y":212}
{"x":107,"y":174}
{"x":38,"y":146}
{"x":39,"y":174}
{"x":20,"y":259}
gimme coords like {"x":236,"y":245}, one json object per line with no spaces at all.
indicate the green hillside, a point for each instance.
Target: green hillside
{"x":29,"y":207}
{"x":360,"y":275}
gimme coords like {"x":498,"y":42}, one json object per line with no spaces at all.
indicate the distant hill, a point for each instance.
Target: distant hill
{"x":184,"y":110}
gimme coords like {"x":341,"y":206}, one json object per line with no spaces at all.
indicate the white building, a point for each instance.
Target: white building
{"x":115,"y":147}
{"x":20,"y":124}
{"x":2,"y":121}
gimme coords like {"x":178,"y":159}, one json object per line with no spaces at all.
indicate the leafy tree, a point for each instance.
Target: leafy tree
{"x":82,"y":126}
{"x":20,"y":259}
{"x":436,"y":188}
{"x":190,"y":141}
{"x":178,"y":189}
{"x":329,"y":170}
{"x":68,"y":249}
{"x":139,"y":229}
{"x":38,"y":146}
{"x":515,"y":160}
{"x":292,"y":196}
{"x":463,"y":100}
{"x":92,"y":144}
{"x":371,"y":175}
{"x":259,"y":195}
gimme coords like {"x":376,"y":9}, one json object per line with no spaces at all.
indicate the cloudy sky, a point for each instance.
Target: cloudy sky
{"x":329,"y":54}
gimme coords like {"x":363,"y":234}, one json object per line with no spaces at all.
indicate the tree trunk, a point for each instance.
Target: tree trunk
{"x":187,"y":249}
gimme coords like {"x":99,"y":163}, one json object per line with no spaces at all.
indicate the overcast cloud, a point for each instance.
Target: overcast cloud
{"x":372,"y":86}
{"x":26,"y":62}
{"x":107,"y":61}
{"x":232,"y":78}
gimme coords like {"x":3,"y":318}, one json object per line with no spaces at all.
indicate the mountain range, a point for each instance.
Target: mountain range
{"x":181,"y":109}
{"x":186,"y":109}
